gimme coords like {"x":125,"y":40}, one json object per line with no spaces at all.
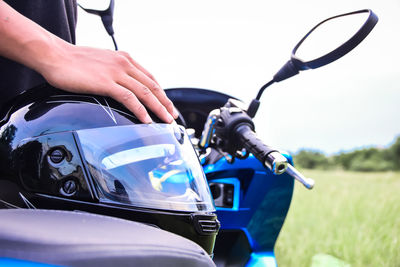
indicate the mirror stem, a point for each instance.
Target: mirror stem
{"x":288,"y":70}
{"x":253,"y":107}
{"x":261,"y":91}
{"x":255,"y":103}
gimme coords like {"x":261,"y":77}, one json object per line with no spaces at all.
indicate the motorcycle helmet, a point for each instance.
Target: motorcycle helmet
{"x":67,"y":151}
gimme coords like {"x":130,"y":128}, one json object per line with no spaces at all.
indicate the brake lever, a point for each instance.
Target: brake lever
{"x":307,"y":182}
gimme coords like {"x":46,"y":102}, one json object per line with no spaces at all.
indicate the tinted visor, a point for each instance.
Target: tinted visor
{"x":150,"y":166}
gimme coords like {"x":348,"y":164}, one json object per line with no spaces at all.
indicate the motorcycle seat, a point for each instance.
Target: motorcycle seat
{"x":84,"y":239}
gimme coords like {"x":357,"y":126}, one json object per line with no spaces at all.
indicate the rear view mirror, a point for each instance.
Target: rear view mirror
{"x":328,"y":41}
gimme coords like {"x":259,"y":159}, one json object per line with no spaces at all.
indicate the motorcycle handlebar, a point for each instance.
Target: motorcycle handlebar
{"x":270,"y":157}
{"x":230,"y":129}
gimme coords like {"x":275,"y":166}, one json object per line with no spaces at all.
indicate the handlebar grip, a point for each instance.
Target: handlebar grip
{"x":268,"y":156}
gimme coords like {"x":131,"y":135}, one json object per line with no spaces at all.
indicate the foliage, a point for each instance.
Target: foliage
{"x":310,"y":159}
{"x":366,"y":160}
{"x":394,"y":153}
{"x":351,"y":216}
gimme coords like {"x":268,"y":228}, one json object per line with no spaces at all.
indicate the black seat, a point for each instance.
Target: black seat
{"x":84,"y":239}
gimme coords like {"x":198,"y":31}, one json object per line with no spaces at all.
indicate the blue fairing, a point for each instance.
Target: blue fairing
{"x":266,"y":259}
{"x":261,"y":202}
{"x":21,"y":263}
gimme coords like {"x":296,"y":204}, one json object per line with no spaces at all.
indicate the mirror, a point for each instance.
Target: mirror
{"x":328,"y":41}
{"x":329,"y":36}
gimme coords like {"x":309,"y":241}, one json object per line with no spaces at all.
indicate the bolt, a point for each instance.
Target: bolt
{"x":69,"y":187}
{"x":57,"y":156}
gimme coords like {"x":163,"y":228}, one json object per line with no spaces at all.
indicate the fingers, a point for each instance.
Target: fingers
{"x":138,"y":66}
{"x":148,"y":74}
{"x":155,"y":90}
{"x":144,"y":77}
{"x":130,"y":101}
{"x":134,"y":95}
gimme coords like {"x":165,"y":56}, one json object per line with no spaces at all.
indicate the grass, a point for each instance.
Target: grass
{"x":350,"y":215}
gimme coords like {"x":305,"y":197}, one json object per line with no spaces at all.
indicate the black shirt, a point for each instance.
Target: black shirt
{"x":56,"y":16}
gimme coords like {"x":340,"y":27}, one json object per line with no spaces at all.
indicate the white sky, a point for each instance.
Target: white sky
{"x":236,"y":46}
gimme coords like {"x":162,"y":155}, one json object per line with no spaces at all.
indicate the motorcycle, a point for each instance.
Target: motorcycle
{"x":251,"y":183}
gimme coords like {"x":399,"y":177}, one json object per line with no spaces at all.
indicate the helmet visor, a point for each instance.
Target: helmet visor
{"x":146,"y":165}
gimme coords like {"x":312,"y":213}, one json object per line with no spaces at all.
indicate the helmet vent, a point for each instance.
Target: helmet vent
{"x":206,"y":225}
{"x":209,"y":226}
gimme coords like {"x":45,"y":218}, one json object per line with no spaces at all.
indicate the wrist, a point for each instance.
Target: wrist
{"x":46,"y":54}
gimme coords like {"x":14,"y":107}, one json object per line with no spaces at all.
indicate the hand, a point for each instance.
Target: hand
{"x":108,"y":73}
{"x":82,"y":69}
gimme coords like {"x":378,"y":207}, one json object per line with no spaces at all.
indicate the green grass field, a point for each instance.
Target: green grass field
{"x":352,"y":216}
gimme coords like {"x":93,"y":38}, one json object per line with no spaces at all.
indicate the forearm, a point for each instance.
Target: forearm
{"x":23,"y":41}
{"x":82,"y":69}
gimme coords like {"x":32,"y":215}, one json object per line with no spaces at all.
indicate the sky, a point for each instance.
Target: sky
{"x":235,"y":47}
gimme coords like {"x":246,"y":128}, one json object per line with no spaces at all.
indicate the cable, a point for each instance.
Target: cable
{"x":115,"y":43}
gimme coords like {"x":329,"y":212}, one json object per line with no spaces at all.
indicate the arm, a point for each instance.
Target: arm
{"x":82,"y":69}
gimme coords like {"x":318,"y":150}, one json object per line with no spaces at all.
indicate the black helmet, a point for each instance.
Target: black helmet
{"x":80,"y":152}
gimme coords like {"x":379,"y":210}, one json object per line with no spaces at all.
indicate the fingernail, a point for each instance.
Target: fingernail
{"x":175,"y":113}
{"x":148,"y":119}
{"x":169,"y":118}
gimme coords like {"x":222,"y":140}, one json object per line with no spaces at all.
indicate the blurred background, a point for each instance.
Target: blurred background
{"x":340,"y":121}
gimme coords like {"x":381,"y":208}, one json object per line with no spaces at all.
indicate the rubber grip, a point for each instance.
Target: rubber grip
{"x":249,"y":140}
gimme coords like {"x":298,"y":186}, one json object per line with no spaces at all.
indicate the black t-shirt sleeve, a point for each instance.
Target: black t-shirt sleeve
{"x":56,"y":16}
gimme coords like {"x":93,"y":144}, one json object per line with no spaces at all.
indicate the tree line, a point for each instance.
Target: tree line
{"x":366,"y":160}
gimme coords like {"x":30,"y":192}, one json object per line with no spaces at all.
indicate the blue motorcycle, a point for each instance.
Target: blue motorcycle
{"x":146,"y":176}
{"x":252,"y":183}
